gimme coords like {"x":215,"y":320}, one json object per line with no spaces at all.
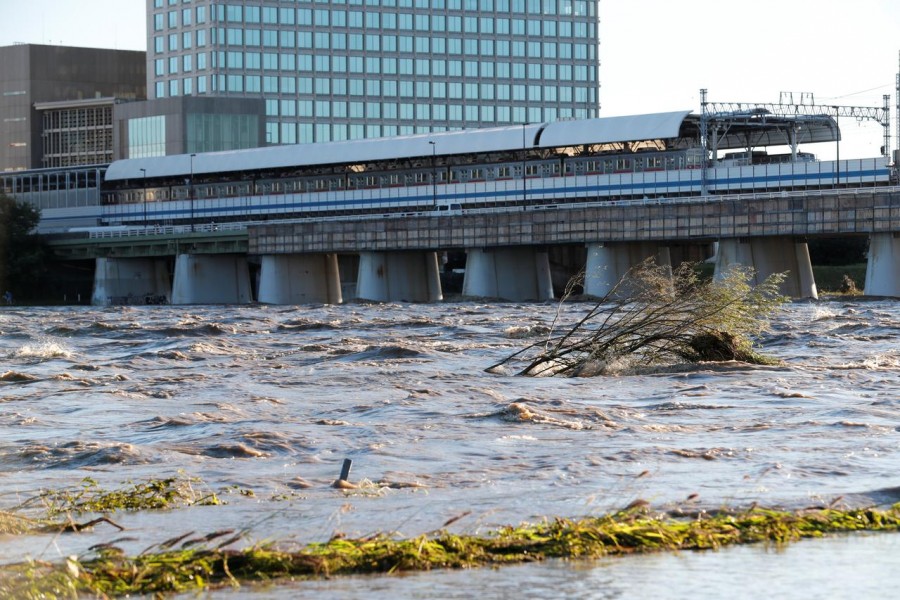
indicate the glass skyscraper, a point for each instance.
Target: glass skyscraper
{"x":348,"y":69}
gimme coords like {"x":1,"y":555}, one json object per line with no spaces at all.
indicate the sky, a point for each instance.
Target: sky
{"x":655,"y":55}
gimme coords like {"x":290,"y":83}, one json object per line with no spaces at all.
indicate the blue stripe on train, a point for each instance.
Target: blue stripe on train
{"x":733,"y":184}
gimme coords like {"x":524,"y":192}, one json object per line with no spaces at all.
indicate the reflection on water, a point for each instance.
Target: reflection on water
{"x":861,"y":566}
{"x":272,"y":399}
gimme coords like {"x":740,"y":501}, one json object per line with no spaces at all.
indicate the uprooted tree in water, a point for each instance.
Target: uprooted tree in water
{"x":654,"y":316}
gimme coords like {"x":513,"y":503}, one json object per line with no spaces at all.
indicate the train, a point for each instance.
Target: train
{"x":524,"y":167}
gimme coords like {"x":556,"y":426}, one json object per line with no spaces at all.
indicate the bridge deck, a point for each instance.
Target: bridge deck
{"x":806,"y":214}
{"x":863,"y":211}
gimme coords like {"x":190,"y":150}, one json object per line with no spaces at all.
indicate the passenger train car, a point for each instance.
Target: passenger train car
{"x":653,"y":157}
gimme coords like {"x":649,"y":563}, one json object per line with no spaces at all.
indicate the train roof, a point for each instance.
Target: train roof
{"x":558,"y":134}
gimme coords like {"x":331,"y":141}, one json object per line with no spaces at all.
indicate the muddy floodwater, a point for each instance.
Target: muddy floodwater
{"x":261,"y":404}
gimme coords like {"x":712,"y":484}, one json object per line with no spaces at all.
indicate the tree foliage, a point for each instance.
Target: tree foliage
{"x":654,"y":316}
{"x":22,"y":251}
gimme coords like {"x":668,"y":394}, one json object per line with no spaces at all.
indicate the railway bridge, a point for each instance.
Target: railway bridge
{"x":396,"y":257}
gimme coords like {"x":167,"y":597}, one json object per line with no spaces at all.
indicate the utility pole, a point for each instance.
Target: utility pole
{"x":144,"y":172}
{"x":524,"y":157}
{"x":433,"y":173}
{"x":191,"y":192}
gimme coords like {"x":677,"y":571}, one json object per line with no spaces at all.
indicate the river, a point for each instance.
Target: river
{"x":263,"y":403}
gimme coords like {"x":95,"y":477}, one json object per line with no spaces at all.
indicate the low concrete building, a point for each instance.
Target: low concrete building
{"x":32,"y":75}
{"x":187,"y":125}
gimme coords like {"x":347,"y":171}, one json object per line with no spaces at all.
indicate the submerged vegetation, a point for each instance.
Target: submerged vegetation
{"x":654,"y":316}
{"x":194,"y":563}
{"x":58,"y":508}
{"x":156,"y":494}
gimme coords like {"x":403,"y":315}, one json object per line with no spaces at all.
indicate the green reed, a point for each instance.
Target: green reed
{"x":190,"y":564}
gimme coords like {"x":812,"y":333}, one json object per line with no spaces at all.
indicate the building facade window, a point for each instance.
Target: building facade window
{"x":147,"y":137}
{"x":409,"y":65}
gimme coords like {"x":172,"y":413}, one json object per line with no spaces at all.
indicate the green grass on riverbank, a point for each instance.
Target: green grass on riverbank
{"x":829,"y":279}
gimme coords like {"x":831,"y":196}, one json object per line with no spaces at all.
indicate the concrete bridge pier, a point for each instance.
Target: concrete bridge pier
{"x":408,"y":276}
{"x":518,"y":274}
{"x":300,"y":279}
{"x":608,"y":263}
{"x":767,"y":256}
{"x":883,"y":269}
{"x":131,"y":281}
{"x":211,"y":279}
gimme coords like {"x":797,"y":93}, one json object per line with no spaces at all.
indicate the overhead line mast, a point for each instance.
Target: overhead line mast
{"x":716,"y":116}
{"x":897,"y":95}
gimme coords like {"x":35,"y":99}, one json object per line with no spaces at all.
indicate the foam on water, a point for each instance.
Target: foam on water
{"x":43,"y":350}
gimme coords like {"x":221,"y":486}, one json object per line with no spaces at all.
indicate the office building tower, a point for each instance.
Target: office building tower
{"x":348,"y":69}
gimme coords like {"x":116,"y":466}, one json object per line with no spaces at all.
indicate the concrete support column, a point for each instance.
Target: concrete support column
{"x":883,"y":269}
{"x":607,"y":263}
{"x":120,"y":281}
{"x":399,"y":277}
{"x":299,"y":279}
{"x":211,"y":279}
{"x":517,"y":274}
{"x":348,"y":268}
{"x":767,"y":256}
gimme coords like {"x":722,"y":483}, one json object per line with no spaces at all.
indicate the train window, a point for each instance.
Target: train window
{"x":531,"y":170}
{"x":477,"y":173}
{"x":321,"y":184}
{"x":693,"y":160}
{"x":503,"y":172}
{"x":420,"y":177}
{"x":623,"y":164}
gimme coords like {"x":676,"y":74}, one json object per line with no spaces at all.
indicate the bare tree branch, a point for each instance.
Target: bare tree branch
{"x":655,"y":316}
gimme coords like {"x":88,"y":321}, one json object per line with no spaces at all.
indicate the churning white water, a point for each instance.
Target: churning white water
{"x":270,"y":400}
